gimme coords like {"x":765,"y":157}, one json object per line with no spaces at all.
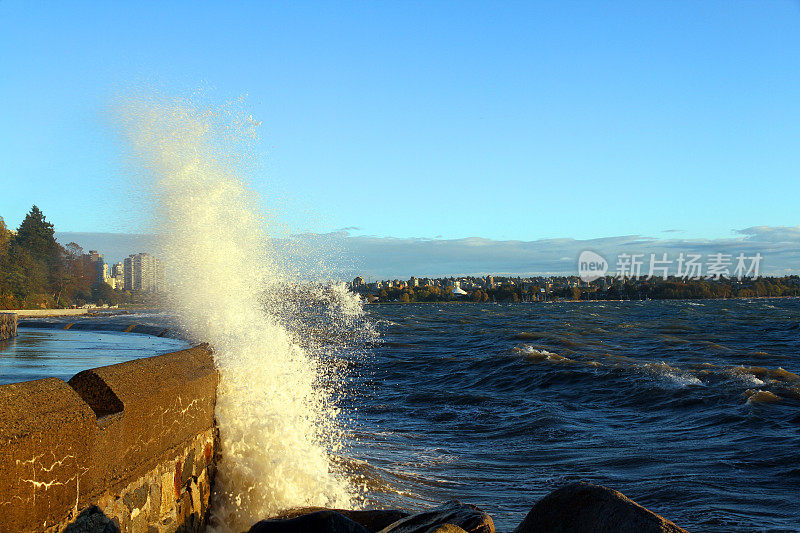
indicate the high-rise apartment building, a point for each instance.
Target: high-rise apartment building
{"x":100,"y":268}
{"x":143,"y":272}
{"x":118,"y":275}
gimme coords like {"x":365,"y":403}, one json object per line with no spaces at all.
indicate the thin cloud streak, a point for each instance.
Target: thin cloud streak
{"x":345,"y":255}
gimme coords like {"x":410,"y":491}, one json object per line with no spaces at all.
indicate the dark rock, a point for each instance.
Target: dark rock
{"x":187,"y":468}
{"x":467,"y":517}
{"x":373,"y":520}
{"x":582,"y":507}
{"x":445,"y":528}
{"x":317,"y":522}
{"x":92,"y":520}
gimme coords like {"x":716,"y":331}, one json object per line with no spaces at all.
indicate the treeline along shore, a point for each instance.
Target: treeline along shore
{"x":572,"y":289}
{"x":36,"y":272}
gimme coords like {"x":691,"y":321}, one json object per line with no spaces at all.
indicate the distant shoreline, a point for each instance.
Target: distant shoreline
{"x":591,"y":301}
{"x":50,"y":313}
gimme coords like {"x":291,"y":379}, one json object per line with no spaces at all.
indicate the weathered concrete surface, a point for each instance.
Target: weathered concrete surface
{"x":8,"y":325}
{"x":116,"y":437}
{"x":46,"y":445}
{"x":582,"y":507}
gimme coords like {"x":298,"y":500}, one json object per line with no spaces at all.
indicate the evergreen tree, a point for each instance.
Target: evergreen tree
{"x":5,"y":238}
{"x":37,"y":236}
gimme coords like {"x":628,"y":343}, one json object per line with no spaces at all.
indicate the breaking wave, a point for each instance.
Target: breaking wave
{"x":277,"y":419}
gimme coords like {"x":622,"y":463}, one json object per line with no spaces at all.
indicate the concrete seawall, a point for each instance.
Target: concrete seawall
{"x":98,"y":325}
{"x":8,"y":325}
{"x":132,"y":443}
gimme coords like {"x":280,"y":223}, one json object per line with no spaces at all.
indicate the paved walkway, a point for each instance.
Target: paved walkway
{"x":22,"y":313}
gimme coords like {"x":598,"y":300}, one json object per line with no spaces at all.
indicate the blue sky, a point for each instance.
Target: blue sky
{"x":498,"y":120}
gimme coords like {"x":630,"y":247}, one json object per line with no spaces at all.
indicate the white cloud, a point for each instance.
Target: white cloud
{"x":787,"y":234}
{"x":342,"y":255}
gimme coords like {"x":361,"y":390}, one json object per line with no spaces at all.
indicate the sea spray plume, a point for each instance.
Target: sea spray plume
{"x":276,"y":423}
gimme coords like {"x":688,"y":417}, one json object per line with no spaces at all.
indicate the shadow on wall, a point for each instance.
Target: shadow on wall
{"x":93,"y":520}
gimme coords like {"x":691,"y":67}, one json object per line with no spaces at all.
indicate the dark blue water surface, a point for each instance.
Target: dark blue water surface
{"x":691,"y":408}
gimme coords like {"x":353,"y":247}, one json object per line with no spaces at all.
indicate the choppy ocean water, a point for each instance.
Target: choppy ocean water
{"x":691,"y":408}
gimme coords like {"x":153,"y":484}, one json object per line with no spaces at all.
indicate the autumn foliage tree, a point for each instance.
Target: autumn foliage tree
{"x":36,"y":271}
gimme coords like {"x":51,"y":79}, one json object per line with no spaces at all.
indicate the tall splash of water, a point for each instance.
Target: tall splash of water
{"x":277,"y":424}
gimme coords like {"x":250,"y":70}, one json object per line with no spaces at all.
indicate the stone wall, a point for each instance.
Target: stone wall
{"x":131,"y":446}
{"x":8,"y":325}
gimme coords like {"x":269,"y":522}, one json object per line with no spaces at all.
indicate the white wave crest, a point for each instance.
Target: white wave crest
{"x":277,"y":425}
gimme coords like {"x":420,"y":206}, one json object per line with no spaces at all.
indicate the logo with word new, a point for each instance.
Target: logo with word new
{"x":591,"y":266}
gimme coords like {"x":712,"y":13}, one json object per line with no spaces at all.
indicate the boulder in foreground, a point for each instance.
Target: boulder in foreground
{"x":453,"y":513}
{"x":373,"y":520}
{"x":583,"y":507}
{"x":321,"y":521}
{"x":445,"y":528}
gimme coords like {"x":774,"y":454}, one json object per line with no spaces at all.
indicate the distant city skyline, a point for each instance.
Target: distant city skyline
{"x":343,"y":255}
{"x":508,"y":122}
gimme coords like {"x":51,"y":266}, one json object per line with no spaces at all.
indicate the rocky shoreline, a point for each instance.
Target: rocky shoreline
{"x":574,"y":508}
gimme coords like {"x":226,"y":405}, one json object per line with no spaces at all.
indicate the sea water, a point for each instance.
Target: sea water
{"x":690,"y":408}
